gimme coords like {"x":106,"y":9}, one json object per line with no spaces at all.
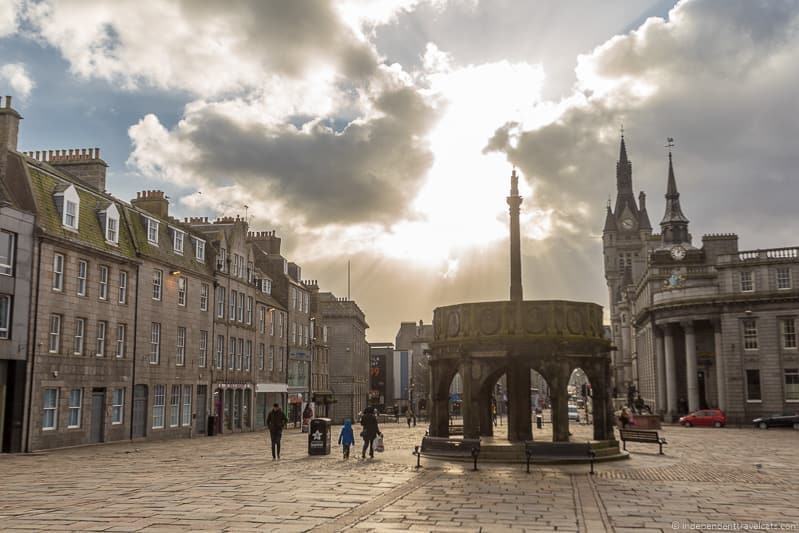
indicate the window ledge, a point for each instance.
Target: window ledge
{"x":754,"y":401}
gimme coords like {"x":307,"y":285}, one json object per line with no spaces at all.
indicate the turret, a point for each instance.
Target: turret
{"x":674,"y":226}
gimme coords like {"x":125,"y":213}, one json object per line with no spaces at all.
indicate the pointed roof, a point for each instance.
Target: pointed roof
{"x":610,"y":220}
{"x":643,"y":216}
{"x":622,"y":150}
{"x":673,"y":210}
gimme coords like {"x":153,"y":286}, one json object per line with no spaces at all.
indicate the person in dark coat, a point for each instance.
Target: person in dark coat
{"x":370,"y":431}
{"x":276,"y":421}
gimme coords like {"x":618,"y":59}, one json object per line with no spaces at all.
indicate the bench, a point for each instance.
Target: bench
{"x":444,"y":447}
{"x":641,"y":435}
{"x":559,"y":451}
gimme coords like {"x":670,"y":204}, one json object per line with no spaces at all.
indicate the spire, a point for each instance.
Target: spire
{"x":610,"y":220}
{"x":623,"y":147}
{"x":624,"y":182}
{"x":674,"y":226}
{"x":643,"y":216}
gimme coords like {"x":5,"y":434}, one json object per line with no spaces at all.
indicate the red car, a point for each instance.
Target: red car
{"x":705,"y":417}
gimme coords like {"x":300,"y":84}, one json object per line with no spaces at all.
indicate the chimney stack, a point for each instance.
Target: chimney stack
{"x":154,"y":202}
{"x":9,"y":132}
{"x":83,"y":163}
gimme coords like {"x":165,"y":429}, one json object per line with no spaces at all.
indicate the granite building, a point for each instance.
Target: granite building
{"x":16,"y":260}
{"x":349,"y":355}
{"x":699,"y":326}
{"x":122,"y":321}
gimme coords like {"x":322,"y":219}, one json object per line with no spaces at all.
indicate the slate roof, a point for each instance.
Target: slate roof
{"x":45,"y":181}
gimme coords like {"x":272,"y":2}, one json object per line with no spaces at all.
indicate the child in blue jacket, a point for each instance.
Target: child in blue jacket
{"x":346,"y":438}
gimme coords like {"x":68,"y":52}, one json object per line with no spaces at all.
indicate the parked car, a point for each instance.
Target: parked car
{"x":573,"y":413}
{"x":705,"y":417}
{"x":777,"y":421}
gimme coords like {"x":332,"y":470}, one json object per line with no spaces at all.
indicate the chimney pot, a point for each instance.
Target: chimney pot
{"x":8,"y":102}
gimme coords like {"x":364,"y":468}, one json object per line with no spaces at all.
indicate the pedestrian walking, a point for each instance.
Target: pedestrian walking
{"x":370,"y":431}
{"x":347,"y":437}
{"x":409,"y":416}
{"x":275,"y":422}
{"x":494,"y":413}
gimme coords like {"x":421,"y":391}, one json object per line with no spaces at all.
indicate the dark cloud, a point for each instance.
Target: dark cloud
{"x":718,"y":77}
{"x":368,"y":172}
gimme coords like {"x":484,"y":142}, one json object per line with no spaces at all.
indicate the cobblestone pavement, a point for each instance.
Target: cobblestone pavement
{"x":711,"y":477}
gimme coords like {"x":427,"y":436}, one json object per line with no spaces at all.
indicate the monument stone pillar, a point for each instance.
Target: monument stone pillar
{"x":520,"y":426}
{"x":514,"y":203}
{"x":471,"y":404}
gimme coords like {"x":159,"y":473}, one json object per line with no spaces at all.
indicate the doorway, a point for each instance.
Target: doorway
{"x":98,"y":416}
{"x":700,"y":378}
{"x":139,"y":411}
{"x":202,"y":418}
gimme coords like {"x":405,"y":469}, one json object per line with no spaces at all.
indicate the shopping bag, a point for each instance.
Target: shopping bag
{"x":379,"y":444}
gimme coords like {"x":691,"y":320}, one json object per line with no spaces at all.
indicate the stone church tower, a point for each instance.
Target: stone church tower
{"x":626,"y":241}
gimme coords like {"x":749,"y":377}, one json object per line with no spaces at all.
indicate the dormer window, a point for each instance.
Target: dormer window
{"x":68,"y":202}
{"x":109,"y":218}
{"x":220,"y":260}
{"x":199,"y":250}
{"x":152,"y":231}
{"x":177,"y":241}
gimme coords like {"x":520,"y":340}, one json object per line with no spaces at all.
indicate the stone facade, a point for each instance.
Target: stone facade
{"x":134,"y":330}
{"x":16,"y":257}
{"x":701,"y":327}
{"x":349,"y":355}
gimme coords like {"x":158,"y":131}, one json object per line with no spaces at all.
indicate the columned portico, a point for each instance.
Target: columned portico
{"x":660,"y":364}
{"x":692,"y":380}
{"x":671,"y":371}
{"x":721,"y":382}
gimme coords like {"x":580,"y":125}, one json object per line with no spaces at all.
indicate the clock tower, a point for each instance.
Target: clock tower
{"x":626,"y":240}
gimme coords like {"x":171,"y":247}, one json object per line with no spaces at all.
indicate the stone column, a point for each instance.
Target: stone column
{"x":486,"y":422}
{"x":671,"y":371}
{"x":660,"y":367}
{"x":721,"y":371}
{"x":470,"y":405}
{"x":560,"y":405}
{"x":627,"y":354}
{"x":520,"y":426}
{"x":692,"y":379}
{"x":439,"y":393}
{"x":602,"y":404}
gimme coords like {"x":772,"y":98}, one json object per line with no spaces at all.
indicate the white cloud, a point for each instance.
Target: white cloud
{"x":9,"y":10}
{"x":17,"y":77}
{"x":203,"y":47}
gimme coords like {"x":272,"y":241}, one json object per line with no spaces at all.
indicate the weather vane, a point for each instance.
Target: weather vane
{"x":669,"y":143}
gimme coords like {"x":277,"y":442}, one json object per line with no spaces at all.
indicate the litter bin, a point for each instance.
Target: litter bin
{"x":319,"y":436}
{"x":539,"y":421}
{"x":211,"y":426}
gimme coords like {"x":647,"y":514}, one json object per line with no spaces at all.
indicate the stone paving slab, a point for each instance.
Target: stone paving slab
{"x":228,"y":483}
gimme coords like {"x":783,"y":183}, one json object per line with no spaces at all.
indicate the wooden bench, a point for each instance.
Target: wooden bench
{"x":641,"y":435}
{"x":446,"y":448}
{"x":559,"y":451}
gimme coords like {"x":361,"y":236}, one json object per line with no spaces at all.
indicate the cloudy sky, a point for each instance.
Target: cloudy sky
{"x":383,"y":132}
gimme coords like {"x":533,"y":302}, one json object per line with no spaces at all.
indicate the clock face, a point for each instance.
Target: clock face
{"x":678,"y":253}
{"x":628,"y":223}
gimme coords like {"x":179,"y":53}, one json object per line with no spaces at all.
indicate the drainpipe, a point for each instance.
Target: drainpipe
{"x":32,"y":344}
{"x":135,"y":340}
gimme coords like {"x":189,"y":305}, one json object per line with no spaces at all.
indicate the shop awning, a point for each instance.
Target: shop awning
{"x":271,"y":387}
